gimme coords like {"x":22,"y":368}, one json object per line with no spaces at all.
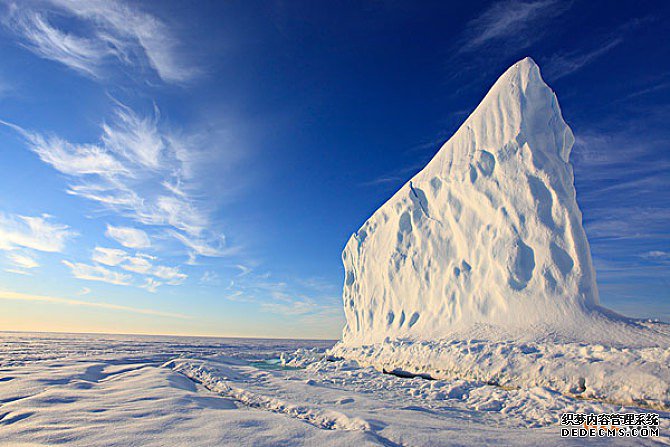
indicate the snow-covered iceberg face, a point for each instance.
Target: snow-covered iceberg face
{"x":489,"y":232}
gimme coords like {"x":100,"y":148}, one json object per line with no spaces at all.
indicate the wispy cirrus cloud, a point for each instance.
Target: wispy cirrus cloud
{"x":135,"y":137}
{"x":79,"y":53}
{"x":109,"y":256}
{"x":290,"y":306}
{"x":622,"y":162}
{"x":657,"y":255}
{"x":629,"y":223}
{"x":212,"y":247}
{"x":295,"y":304}
{"x":300,"y":298}
{"x":18,"y":271}
{"x":33,"y":232}
{"x":319,"y":314}
{"x":633,"y":169}
{"x":139,"y":170}
{"x":97,"y":273}
{"x":563,"y":64}
{"x":72,"y":159}
{"x":111,"y":32}
{"x":210,"y":277}
{"x":171,"y":275}
{"x":621,"y":176}
{"x":151,"y":285}
{"x":656,"y":86}
{"x":21,"y":263}
{"x":140,"y":264}
{"x":128,"y":237}
{"x":511,"y":21}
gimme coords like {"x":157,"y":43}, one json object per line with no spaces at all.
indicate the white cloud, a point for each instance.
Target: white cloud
{"x":178,"y":213}
{"x":210,"y":277}
{"x":290,"y":309}
{"x":18,"y":271}
{"x":37,"y":233}
{"x":110,"y":32}
{"x":128,"y":237}
{"x":512,"y":21}
{"x":137,"y":264}
{"x":134,"y":138}
{"x":22,"y":261}
{"x":97,"y":273}
{"x":631,"y":166}
{"x":171,"y":274}
{"x":71,"y":159}
{"x":244,"y":270}
{"x":560,"y":65}
{"x":239,"y":297}
{"x":656,"y":254}
{"x":628,"y":222}
{"x":295,"y":305}
{"x":151,"y":285}
{"x":203,"y":248}
{"x":563,"y":64}
{"x":140,"y":171}
{"x":108,"y":256}
{"x":140,"y":264}
{"x":79,"y":53}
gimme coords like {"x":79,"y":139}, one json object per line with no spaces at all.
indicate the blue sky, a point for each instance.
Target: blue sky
{"x":196,"y":168}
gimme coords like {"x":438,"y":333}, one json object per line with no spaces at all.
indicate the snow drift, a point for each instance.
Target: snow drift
{"x":487,"y":243}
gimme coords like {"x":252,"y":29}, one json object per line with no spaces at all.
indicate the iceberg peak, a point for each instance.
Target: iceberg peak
{"x":488,"y":233}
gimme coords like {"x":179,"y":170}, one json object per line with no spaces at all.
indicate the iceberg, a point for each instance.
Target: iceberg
{"x":479,"y":266}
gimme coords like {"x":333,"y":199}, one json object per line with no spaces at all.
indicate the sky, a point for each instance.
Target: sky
{"x":196,"y":168}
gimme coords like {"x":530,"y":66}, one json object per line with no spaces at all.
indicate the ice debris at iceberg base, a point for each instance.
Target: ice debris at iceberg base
{"x":479,"y":266}
{"x":621,"y":375}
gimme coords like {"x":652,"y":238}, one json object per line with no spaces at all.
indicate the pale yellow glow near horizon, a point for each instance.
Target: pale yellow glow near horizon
{"x":25,"y":312}
{"x":6,"y":295}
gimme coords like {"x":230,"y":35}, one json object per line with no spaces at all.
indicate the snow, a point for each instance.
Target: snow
{"x":101,"y":390}
{"x":479,"y":266}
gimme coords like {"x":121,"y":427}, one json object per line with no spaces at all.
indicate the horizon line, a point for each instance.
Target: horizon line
{"x":249,"y":337}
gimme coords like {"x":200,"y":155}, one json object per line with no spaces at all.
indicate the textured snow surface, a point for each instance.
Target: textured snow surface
{"x":485,"y":248}
{"x":99,"y":390}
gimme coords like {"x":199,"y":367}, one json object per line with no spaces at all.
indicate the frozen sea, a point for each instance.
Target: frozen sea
{"x":122,"y":390}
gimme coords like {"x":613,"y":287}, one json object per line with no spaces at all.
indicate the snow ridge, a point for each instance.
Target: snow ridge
{"x":216,"y":380}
